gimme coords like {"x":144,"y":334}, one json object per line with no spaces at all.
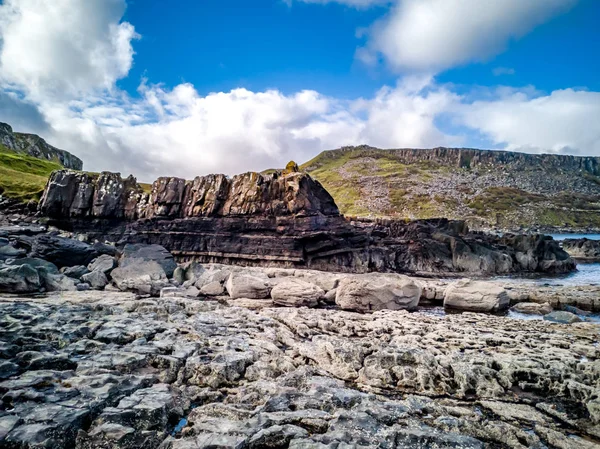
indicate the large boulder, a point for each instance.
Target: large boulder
{"x":532,"y":308}
{"x":245,"y":285}
{"x":296,"y":293}
{"x":75,"y":272}
{"x":63,"y":251}
{"x":57,"y":282}
{"x":19,"y":279}
{"x":476,"y":296}
{"x":560,"y":316}
{"x":373,"y":291}
{"x":133,"y":253}
{"x":145,"y":277}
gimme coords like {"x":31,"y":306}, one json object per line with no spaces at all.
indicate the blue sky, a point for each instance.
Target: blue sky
{"x":147,"y":88}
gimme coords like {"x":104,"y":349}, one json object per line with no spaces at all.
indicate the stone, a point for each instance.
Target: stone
{"x":214,"y":288}
{"x":104,"y":263}
{"x":75,"y":272}
{"x":62,"y":251}
{"x":242,"y":285}
{"x":83,"y":287}
{"x":476,"y":296}
{"x":296,"y":293}
{"x":36,"y":263}
{"x":9,"y":251}
{"x":372,"y":292}
{"x":562,"y":317}
{"x":179,"y":275}
{"x":532,"y":308}
{"x":19,"y":279}
{"x":144,"y":277}
{"x":97,"y":279}
{"x":155,"y":253}
{"x":57,"y":282}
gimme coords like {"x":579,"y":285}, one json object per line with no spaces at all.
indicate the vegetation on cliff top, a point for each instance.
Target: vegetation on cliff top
{"x":23,"y":177}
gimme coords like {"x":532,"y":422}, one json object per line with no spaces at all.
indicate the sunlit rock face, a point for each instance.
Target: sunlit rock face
{"x":284,"y":219}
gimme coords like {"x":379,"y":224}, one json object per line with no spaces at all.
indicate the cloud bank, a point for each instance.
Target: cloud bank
{"x":66,"y":91}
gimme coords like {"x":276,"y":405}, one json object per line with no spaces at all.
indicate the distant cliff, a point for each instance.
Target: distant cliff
{"x":33,"y":145}
{"x":497,"y":189}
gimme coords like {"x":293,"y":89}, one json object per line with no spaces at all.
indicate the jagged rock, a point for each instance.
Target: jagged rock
{"x":179,"y":275}
{"x":96,"y":278}
{"x":8,"y":251}
{"x":132,"y":254}
{"x":584,"y":249}
{"x":296,"y":293}
{"x":19,"y":279}
{"x":104,"y":263}
{"x":143,"y":276}
{"x":532,"y":308}
{"x":371,"y":292}
{"x":57,"y":282}
{"x":563,"y":317}
{"x":36,"y":263}
{"x":242,"y":285}
{"x":476,"y":296}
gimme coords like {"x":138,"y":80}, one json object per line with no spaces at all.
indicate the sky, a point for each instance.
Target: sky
{"x":192,"y":87}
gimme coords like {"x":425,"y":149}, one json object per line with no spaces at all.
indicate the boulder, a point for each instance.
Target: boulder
{"x":532,"y":308}
{"x":373,"y":291}
{"x":96,"y":278}
{"x":133,"y":253}
{"x":243,"y":285}
{"x":562,"y":317}
{"x":179,"y":275}
{"x":19,"y":279}
{"x":8,"y":251}
{"x":476,"y":296}
{"x":36,"y":263}
{"x":296,"y":293}
{"x":214,"y":288}
{"x":63,"y":251}
{"x":145,"y":277}
{"x":103,"y":263}
{"x":75,"y":272}
{"x":57,"y":282}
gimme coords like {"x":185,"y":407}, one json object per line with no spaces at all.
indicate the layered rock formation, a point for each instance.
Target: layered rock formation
{"x":280,"y":220}
{"x":35,"y":146}
{"x":583,"y":249}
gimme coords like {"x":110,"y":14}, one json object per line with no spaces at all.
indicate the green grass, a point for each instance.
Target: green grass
{"x":23,"y":177}
{"x":502,"y":199}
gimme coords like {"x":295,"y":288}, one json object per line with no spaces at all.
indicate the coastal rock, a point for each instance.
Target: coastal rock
{"x":214,"y":288}
{"x":583,"y":249}
{"x":57,"y":282}
{"x":96,"y":278}
{"x":245,"y":285}
{"x":296,"y":293}
{"x":75,"y":272}
{"x":562,"y":317}
{"x":476,"y":296}
{"x":63,"y":251}
{"x":146,"y":277}
{"x":532,"y":308}
{"x":104,"y":263}
{"x":19,"y":279}
{"x":132,"y":254}
{"x":371,"y":292}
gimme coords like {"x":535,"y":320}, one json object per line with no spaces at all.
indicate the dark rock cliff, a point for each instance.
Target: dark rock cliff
{"x":35,"y":146}
{"x":282,"y":219}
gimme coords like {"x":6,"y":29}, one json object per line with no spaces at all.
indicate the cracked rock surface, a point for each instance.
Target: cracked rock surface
{"x":108,"y":369}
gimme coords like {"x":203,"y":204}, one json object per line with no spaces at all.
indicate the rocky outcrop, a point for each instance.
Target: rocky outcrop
{"x":476,"y":296}
{"x":286,"y":220}
{"x":582,"y":249}
{"x":35,"y":146}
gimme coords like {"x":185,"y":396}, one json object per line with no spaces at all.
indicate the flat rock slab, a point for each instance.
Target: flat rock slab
{"x":94,"y":369}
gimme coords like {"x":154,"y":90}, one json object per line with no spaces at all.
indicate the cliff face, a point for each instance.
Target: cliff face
{"x":497,"y":189}
{"x":283,"y":219}
{"x":35,"y":146}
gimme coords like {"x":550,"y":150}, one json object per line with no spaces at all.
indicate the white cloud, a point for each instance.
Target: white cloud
{"x":63,"y":48}
{"x":66,"y":91}
{"x":433,"y":35}
{"x":564,"y":121}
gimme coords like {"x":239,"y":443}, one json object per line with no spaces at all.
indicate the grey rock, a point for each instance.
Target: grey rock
{"x":244,"y":285}
{"x":75,"y":272}
{"x":532,"y":308}
{"x":214,"y":288}
{"x":156,"y":253}
{"x":374,"y":291}
{"x":97,"y":279}
{"x":476,"y":296}
{"x":57,"y":282}
{"x":295,"y":293}
{"x":142,"y":276}
{"x":562,"y":317}
{"x":19,"y":279}
{"x":104,"y":263}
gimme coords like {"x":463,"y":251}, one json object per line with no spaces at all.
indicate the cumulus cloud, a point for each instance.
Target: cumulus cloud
{"x":433,"y":35}
{"x":67,"y":93}
{"x":64,"y":48}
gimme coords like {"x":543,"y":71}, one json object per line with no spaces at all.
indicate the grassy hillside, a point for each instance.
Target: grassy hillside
{"x":496,"y":191}
{"x":23,"y":177}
